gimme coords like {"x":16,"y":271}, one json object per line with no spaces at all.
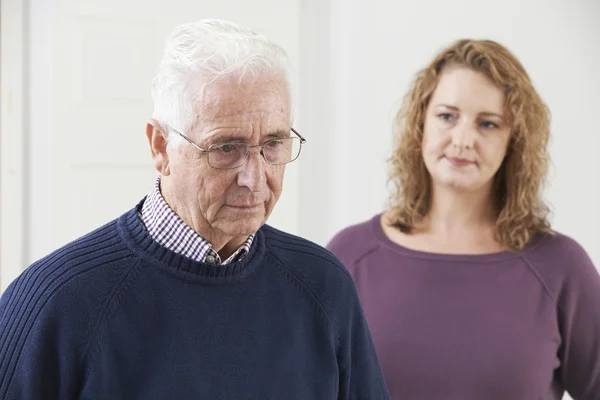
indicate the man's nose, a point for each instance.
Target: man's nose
{"x":252,"y":174}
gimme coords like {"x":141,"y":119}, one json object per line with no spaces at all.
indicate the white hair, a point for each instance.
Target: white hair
{"x":197,"y":54}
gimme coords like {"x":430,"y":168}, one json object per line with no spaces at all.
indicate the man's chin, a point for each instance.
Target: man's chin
{"x":243,"y":226}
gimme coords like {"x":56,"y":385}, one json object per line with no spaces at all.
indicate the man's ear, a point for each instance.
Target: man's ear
{"x":157,"y":139}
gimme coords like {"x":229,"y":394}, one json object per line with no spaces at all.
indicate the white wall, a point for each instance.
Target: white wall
{"x":12,"y":144}
{"x":376,"y":46}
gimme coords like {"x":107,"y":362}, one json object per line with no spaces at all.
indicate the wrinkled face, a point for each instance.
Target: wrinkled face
{"x":235,"y":202}
{"x":466,"y":132}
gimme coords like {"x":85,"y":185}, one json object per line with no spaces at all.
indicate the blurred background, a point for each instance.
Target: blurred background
{"x":75,"y":97}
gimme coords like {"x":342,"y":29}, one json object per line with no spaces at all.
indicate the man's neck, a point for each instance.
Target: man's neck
{"x":224,"y":245}
{"x":226,"y":250}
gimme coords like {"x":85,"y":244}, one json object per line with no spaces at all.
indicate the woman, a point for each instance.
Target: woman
{"x":468,"y":292}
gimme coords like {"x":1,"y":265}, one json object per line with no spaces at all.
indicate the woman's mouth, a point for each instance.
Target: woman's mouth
{"x":459,"y":162}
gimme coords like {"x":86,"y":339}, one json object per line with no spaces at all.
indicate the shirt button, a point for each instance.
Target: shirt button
{"x":211,"y":259}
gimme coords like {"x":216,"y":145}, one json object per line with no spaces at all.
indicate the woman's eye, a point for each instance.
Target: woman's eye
{"x":488,"y":125}
{"x":446,"y":116}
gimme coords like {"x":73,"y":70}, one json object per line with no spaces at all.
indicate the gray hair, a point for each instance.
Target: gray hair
{"x":196,"y":54}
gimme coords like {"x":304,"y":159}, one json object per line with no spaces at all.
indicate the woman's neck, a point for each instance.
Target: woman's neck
{"x":457,"y":223}
{"x":453,"y":212}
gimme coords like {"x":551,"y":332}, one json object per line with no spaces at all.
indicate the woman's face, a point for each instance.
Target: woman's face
{"x":466,"y":131}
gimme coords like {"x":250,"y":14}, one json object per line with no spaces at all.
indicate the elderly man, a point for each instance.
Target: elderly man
{"x":189,"y":295}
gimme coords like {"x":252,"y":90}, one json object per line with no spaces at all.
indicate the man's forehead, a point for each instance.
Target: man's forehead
{"x":238,"y":117}
{"x":229,"y":93}
{"x":234,"y":103}
{"x":233,"y":111}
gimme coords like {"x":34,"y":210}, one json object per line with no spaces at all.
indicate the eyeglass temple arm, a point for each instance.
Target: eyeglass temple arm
{"x":299,"y":135}
{"x":190,"y":141}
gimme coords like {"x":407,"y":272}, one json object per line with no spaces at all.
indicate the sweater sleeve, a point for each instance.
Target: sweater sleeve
{"x":579,"y":321}
{"x":39,"y":357}
{"x":360,"y":374}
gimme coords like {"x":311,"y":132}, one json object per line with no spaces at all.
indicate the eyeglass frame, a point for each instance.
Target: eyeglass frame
{"x":261,"y":146}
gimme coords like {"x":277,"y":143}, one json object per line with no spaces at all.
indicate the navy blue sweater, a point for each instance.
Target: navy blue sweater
{"x":114,"y":315}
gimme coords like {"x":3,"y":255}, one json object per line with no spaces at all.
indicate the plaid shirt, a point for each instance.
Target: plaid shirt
{"x":170,"y":231}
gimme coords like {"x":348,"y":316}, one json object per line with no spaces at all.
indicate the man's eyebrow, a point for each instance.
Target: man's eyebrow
{"x":228,"y":138}
{"x":279,"y":134}
{"x":224,"y":137}
{"x":233,"y":137}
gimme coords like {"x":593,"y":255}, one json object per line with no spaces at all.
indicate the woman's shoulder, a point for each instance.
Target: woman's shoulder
{"x":555,"y":246}
{"x":560,"y":261}
{"x":355,"y":240}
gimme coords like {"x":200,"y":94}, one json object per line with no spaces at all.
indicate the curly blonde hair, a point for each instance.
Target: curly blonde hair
{"x":520,"y":211}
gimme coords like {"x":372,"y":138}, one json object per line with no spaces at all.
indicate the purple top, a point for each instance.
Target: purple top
{"x":519,"y":326}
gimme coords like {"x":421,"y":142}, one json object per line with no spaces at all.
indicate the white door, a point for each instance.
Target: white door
{"x":91,"y":65}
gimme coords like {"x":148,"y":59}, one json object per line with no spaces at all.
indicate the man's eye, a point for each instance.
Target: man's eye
{"x":226,"y":148}
{"x":274,"y":143}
